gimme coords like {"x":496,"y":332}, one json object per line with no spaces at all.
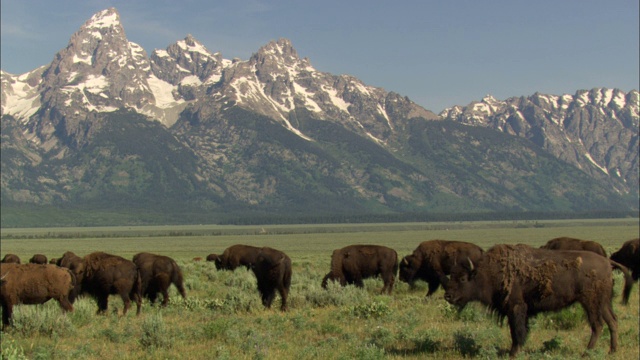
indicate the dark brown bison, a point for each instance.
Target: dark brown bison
{"x":237,"y":255}
{"x":272,"y":269}
{"x":352,"y":264}
{"x":629,"y":256}
{"x":157,"y":273}
{"x":11,"y":259}
{"x":38,"y":259}
{"x":73,"y":262}
{"x":104,"y":274}
{"x":53,"y":261}
{"x":433,"y":260}
{"x":213,"y":257}
{"x":33,"y":284}
{"x":518,"y":281}
{"x":567,"y":243}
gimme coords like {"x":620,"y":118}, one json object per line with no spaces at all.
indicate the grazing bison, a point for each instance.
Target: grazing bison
{"x":567,"y":243}
{"x":33,"y":284}
{"x":352,"y":264}
{"x":105,"y":274}
{"x":11,"y":259}
{"x":157,"y":273}
{"x":433,"y":260}
{"x":518,"y":281}
{"x":629,"y":256}
{"x":237,"y":255}
{"x":73,"y":262}
{"x":53,"y":261}
{"x":38,"y":259}
{"x":272,"y":269}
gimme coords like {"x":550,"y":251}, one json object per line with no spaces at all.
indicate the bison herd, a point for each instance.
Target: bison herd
{"x":515,"y":281}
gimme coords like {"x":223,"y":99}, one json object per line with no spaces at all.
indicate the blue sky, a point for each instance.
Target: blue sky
{"x":438,"y":53}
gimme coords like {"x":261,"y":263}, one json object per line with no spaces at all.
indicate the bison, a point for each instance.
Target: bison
{"x":352,"y":264}
{"x":237,"y":255}
{"x":38,"y":259}
{"x":518,"y":281}
{"x":567,"y":243}
{"x":73,"y":262}
{"x":272,"y":269}
{"x":629,"y":256}
{"x":104,"y":274}
{"x":33,"y":284}
{"x":10,"y":259}
{"x":433,"y":260}
{"x":157,"y":273}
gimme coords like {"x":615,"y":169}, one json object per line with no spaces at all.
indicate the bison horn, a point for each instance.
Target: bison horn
{"x":4,"y":276}
{"x":471,"y":267}
{"x":404,"y":261}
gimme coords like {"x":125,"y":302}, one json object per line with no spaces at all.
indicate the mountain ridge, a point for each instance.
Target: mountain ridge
{"x":273,"y":132}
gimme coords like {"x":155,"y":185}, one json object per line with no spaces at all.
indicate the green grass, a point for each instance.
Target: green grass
{"x":223,"y":318}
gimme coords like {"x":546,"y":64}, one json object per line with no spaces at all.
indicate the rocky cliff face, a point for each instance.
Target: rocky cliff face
{"x":105,"y":124}
{"x":595,"y":130}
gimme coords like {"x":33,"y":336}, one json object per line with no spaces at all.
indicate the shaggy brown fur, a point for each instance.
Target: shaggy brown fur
{"x":273,"y":272}
{"x":237,"y":255}
{"x":629,"y":256}
{"x":105,"y":274}
{"x":10,"y":259}
{"x":33,"y":284}
{"x":38,"y":259}
{"x":432,"y":261}
{"x":520,"y":281}
{"x":157,"y":273}
{"x":567,"y":243}
{"x":352,"y":264}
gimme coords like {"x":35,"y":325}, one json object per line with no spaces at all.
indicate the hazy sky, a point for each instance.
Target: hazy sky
{"x":438,"y":53}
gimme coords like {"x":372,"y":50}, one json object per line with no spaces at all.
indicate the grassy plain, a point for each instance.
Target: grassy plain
{"x":222,"y":318}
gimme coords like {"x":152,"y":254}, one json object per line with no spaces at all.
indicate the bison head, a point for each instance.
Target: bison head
{"x":461,"y":287}
{"x":409,"y":267}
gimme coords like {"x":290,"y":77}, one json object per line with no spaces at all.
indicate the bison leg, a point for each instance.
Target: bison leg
{"x":595,"y":322}
{"x":283,"y":296}
{"x":165,"y":297}
{"x":612,"y":323}
{"x":103,"y":303}
{"x":7,"y":311}
{"x":65,"y":304}
{"x":126,"y":300}
{"x":152,"y":295}
{"x":388,"y":281}
{"x":519,"y":327}
{"x":433,"y":286}
{"x":267,"y":298}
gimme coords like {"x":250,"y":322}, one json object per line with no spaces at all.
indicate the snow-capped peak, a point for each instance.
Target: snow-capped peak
{"x":104,"y":19}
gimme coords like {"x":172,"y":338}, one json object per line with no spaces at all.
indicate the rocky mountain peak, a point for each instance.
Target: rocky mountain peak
{"x":108,"y":18}
{"x":187,"y":62}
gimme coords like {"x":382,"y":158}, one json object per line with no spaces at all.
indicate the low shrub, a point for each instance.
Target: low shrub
{"x":155,"y":333}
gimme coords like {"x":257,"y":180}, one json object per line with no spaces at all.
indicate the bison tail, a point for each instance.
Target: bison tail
{"x":325,"y":280}
{"x":178,"y":281}
{"x":628,"y":281}
{"x":137,"y":291}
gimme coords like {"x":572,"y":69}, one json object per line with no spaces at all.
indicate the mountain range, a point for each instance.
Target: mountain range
{"x":185,"y":135}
